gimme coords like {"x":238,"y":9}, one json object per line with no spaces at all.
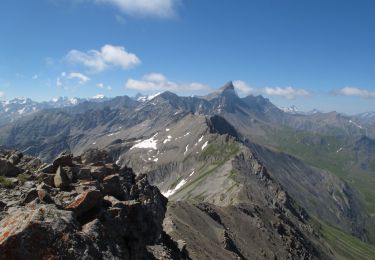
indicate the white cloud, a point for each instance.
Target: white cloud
{"x":108,"y":56}
{"x":158,"y":82}
{"x":156,"y":77}
{"x":2,"y":94}
{"x":103,"y":86}
{"x":66,"y":79}
{"x":144,"y":8}
{"x":286,"y":92}
{"x":76,"y":75}
{"x":243,"y":88}
{"x":352,"y":91}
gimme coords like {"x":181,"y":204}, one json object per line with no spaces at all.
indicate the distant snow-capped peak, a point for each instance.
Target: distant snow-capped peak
{"x":291,"y":110}
{"x":142,"y":98}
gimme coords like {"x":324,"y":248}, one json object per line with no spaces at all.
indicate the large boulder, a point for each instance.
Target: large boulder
{"x":61,"y":179}
{"x":85,"y":201}
{"x":15,"y":157}
{"x":7,"y":169}
{"x":111,"y":186}
{"x":64,"y":159}
{"x":96,"y":155}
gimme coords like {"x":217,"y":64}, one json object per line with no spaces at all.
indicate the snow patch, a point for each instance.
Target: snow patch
{"x":21,"y":111}
{"x":147,"y":144}
{"x":167,"y":129}
{"x":339,"y":150}
{"x":118,"y":161}
{"x":199,"y":140}
{"x":191,"y":174}
{"x":112,"y":134}
{"x":186,"y":149}
{"x":153,"y":96}
{"x":99,"y":96}
{"x":354,"y":123}
{"x":169,"y":138}
{"x":204,"y":145}
{"x":169,"y":193}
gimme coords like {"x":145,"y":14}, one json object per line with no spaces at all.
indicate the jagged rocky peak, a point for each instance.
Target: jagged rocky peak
{"x":227,"y":87}
{"x":226,"y":90}
{"x":168,"y":95}
{"x":83,"y":207}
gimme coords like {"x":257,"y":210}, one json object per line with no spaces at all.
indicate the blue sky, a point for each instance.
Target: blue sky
{"x":311,"y":53}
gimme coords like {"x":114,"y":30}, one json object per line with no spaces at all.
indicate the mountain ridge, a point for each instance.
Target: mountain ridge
{"x":203,"y":150}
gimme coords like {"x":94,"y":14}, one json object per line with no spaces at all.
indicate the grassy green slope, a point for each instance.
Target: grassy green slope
{"x":346,"y":246}
{"x":214,"y":156}
{"x":331,"y":153}
{"x":327,"y":152}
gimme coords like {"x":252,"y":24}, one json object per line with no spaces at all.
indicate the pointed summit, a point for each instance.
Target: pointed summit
{"x":223,"y":91}
{"x":227,"y":87}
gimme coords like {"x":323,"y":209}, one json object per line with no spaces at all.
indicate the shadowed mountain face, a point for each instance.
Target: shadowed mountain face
{"x":221,"y":160}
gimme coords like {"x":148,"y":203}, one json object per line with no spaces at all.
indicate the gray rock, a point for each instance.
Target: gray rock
{"x":85,"y":202}
{"x":96,"y":155}
{"x":15,"y":158}
{"x":99,"y":172}
{"x":49,"y":168}
{"x":30,"y":196}
{"x":84,"y":174}
{"x":61,"y":180}
{"x":8,"y":169}
{"x":64,"y":159}
{"x":111,"y":186}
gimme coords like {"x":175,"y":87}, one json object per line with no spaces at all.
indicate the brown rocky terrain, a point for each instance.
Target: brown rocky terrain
{"x":79,"y":208}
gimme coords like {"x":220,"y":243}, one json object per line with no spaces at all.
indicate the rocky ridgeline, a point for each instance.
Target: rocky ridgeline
{"x":84,"y":207}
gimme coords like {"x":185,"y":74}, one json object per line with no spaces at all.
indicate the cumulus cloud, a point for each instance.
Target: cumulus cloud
{"x":286,"y":92}
{"x":243,"y":88}
{"x":158,"y":82}
{"x":156,"y":77}
{"x":2,"y":95}
{"x":82,"y":79}
{"x":352,"y":91}
{"x":107,"y":56}
{"x":69,"y":78}
{"x":144,"y":8}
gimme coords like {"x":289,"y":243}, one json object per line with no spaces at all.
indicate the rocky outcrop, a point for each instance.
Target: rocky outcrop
{"x":111,"y":215}
{"x":264,"y":222}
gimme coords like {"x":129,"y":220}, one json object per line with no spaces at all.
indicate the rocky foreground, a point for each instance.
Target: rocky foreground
{"x":84,"y":207}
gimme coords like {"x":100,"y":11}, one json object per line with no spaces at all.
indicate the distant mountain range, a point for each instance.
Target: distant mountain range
{"x":294,"y":110}
{"x":244,"y":178}
{"x":366,"y":116}
{"x":11,"y":110}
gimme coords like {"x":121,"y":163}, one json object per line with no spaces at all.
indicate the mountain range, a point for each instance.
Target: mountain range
{"x":244,"y":179}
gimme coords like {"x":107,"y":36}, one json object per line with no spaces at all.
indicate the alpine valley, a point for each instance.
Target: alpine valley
{"x":243,"y":178}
